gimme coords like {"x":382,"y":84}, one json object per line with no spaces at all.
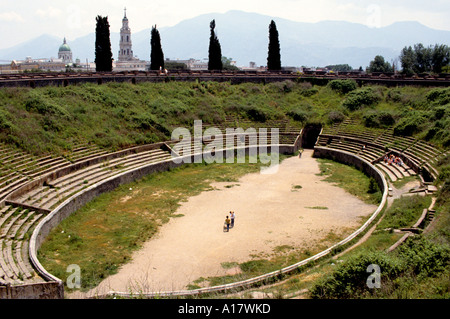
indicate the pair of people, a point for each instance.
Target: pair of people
{"x":229,"y":221}
{"x":392,"y":159}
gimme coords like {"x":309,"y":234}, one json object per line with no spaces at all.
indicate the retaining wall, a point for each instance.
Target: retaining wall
{"x":337,"y":155}
{"x":33,"y":81}
{"x":77,"y":201}
{"x":50,"y":290}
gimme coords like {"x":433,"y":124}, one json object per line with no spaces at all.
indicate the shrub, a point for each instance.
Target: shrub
{"x":5,"y":123}
{"x":309,"y":92}
{"x":284,"y":87}
{"x":342,"y":86}
{"x":256,"y":114}
{"x":299,"y":115}
{"x":359,"y":98}
{"x":441,"y":111}
{"x":349,"y":280}
{"x":42,"y":105}
{"x":440,"y":96}
{"x":386,"y":119}
{"x":424,"y":257}
{"x":379,"y":119}
{"x":417,"y":257}
{"x":336,"y":117}
{"x":394,"y":95}
{"x":373,"y":186}
{"x":371,"y":120}
{"x":411,"y":124}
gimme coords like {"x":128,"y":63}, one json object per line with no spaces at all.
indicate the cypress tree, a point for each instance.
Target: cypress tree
{"x":157,"y":55}
{"x":103,"y":53}
{"x":274,"y":57}
{"x":215,"y":51}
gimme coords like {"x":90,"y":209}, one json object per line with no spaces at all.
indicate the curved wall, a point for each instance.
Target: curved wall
{"x":77,"y":201}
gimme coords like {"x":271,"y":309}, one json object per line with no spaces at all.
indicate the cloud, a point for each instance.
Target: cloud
{"x":11,"y":17}
{"x":50,"y":12}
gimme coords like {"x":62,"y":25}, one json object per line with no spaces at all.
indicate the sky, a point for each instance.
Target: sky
{"x":22,"y":20}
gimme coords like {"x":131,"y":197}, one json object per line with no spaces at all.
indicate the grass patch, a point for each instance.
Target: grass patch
{"x":317,"y":207}
{"x":229,"y":265}
{"x":405,"y":180}
{"x":350,"y":179}
{"x":404,"y":211}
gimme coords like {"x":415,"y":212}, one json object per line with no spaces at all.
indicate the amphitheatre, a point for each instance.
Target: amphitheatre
{"x":295,"y":208}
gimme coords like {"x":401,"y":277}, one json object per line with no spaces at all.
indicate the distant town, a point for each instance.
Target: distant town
{"x":126,"y":61}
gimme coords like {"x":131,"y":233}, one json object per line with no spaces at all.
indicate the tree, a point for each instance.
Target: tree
{"x":103,"y":53}
{"x":215,"y":51}
{"x":440,"y":58}
{"x":379,"y":65}
{"x":407,"y":60}
{"x":227,"y":64}
{"x":156,"y":55}
{"x":423,"y":56}
{"x":421,"y":59}
{"x":340,"y":67}
{"x":274,"y":56}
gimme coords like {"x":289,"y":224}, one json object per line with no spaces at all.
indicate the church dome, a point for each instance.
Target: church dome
{"x":64,"y":47}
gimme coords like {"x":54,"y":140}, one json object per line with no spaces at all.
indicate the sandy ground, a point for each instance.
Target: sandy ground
{"x":270,"y":212}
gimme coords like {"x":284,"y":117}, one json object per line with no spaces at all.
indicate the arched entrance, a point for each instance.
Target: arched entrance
{"x":310,"y":134}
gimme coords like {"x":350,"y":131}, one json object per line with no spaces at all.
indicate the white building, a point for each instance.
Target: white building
{"x":65,"y":53}
{"x":127,"y":61}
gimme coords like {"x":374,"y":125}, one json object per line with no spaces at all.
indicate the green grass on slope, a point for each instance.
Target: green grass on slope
{"x":113,"y":115}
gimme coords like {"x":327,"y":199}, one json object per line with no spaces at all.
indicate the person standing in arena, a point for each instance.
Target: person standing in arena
{"x":228,"y":222}
{"x":232,"y":219}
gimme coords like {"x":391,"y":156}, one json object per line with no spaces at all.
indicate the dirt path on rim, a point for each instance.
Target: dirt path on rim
{"x":270,"y":212}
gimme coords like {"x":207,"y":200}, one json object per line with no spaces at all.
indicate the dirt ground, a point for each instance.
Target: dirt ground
{"x":270,"y":212}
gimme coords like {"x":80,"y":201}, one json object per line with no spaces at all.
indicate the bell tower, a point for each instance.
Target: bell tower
{"x":126,"y":51}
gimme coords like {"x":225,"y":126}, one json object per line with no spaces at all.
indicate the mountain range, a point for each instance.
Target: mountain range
{"x":244,"y":38}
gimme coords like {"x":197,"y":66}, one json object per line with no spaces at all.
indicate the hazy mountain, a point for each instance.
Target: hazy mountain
{"x":43,"y":46}
{"x":244,"y":37}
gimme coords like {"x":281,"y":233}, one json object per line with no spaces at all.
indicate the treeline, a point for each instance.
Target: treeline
{"x":416,"y":59}
{"x":421,"y":59}
{"x":103,"y":53}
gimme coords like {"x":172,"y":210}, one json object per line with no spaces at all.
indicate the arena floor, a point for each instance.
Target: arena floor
{"x":270,"y":212}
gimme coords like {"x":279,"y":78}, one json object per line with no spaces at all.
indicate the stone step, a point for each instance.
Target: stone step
{"x":8,"y":272}
{"x":6,"y":216}
{"x":10,"y":259}
{"x":29,"y":225}
{"x":6,"y":228}
{"x":21,"y":222}
{"x":55,"y":195}
{"x":86,"y":171}
{"x":21,"y":255}
{"x":392,"y":177}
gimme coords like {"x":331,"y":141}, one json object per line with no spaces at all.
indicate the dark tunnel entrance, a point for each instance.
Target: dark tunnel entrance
{"x":310,"y":134}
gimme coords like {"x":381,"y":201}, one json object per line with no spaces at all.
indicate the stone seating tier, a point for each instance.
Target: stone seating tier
{"x":48,"y":196}
{"x":419,"y":153}
{"x":15,"y":226}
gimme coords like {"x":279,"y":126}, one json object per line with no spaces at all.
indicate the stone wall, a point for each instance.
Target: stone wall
{"x":77,"y":201}
{"x":50,"y":290}
{"x":62,"y":79}
{"x":337,"y":155}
